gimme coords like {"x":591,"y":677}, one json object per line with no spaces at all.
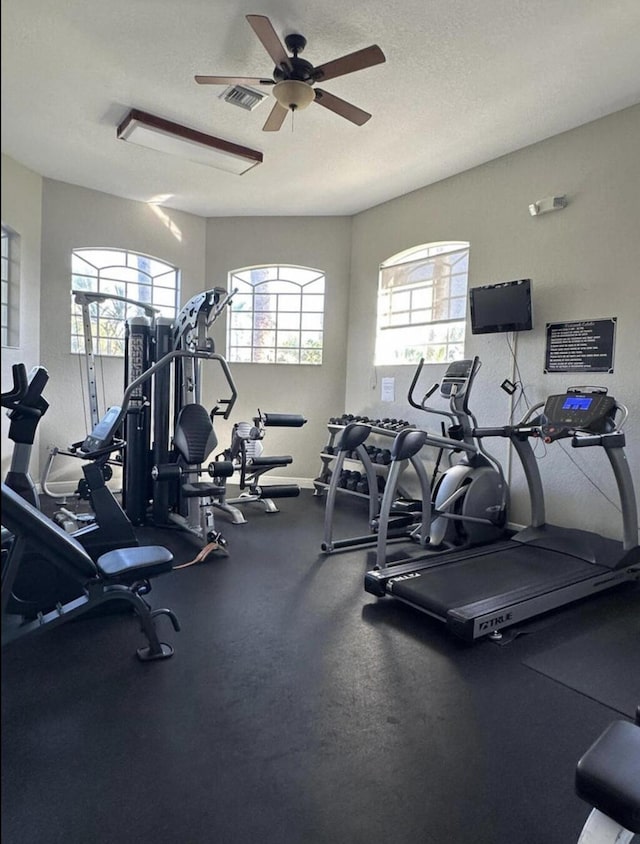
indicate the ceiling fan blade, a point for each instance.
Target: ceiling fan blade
{"x":344,"y":109}
{"x":232,"y":80}
{"x":276,"y":118}
{"x":366,"y":57}
{"x":263,"y":28}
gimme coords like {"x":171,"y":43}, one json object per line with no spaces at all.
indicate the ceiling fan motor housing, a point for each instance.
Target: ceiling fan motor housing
{"x":301,"y":71}
{"x":295,"y":43}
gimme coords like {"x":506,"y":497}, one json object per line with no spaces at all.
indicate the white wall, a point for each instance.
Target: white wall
{"x":583,"y":261}
{"x":22,"y":212}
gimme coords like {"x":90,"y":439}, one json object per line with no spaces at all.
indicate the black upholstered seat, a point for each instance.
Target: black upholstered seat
{"x":608,"y":775}
{"x":120,"y":575}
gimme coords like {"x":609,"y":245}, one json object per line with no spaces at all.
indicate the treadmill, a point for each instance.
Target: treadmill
{"x":480,"y":591}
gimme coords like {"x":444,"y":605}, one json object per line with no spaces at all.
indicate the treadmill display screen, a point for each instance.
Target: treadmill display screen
{"x":577,"y":403}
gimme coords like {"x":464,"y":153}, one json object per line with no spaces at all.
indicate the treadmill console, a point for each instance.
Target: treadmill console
{"x":579,"y":408}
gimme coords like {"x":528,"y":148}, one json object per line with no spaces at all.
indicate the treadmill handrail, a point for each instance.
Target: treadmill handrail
{"x":613,"y":443}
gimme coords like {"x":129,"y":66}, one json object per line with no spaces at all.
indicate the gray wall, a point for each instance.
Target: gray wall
{"x":583,"y":261}
{"x":74,"y":217}
{"x":22,"y":212}
{"x":316,"y":392}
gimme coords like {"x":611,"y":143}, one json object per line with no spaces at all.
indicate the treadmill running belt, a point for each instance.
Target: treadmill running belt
{"x":520,"y":572}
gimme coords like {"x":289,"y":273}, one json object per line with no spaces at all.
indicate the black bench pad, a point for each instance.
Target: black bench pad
{"x":275,"y":462}
{"x":608,"y":775}
{"x":142,"y":561}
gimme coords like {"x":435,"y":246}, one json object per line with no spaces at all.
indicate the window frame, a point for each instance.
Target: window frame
{"x":108,"y":318}
{"x":422,"y":317}
{"x":10,"y":289}
{"x":299,"y":301}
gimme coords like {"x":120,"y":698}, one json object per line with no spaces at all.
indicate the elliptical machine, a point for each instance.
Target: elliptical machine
{"x":25,"y":406}
{"x":469,"y":503}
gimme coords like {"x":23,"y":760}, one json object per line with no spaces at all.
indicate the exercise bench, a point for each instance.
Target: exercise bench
{"x":121,"y":575}
{"x":608,"y":778}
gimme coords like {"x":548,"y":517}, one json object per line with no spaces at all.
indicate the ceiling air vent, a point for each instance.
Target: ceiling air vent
{"x":246,"y":98}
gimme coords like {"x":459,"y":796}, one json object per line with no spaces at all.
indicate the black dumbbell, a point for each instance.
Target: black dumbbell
{"x":362,"y":486}
{"x":354,"y":477}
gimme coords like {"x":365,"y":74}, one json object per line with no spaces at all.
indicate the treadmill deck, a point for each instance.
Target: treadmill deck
{"x":485,"y":592}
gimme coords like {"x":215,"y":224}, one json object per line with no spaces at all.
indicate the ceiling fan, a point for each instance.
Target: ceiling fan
{"x":294,"y":78}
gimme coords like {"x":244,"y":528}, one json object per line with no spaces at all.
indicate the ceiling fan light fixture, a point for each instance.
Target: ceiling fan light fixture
{"x":293,"y":94}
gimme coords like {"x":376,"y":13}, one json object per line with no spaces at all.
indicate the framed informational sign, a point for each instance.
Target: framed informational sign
{"x":581,"y":346}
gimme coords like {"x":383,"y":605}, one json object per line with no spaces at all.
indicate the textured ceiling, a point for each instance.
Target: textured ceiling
{"x":464,"y":82}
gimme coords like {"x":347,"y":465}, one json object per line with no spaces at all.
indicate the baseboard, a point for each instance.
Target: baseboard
{"x":69,"y":487}
{"x":274,"y":480}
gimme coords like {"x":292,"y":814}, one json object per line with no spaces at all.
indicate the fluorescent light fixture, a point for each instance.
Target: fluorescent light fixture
{"x":153,"y":132}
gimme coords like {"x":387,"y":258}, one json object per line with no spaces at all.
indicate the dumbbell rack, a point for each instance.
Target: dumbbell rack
{"x":387,"y":430}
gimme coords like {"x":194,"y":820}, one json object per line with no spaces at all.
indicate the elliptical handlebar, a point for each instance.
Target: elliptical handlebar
{"x":19,"y":389}
{"x":414,"y":382}
{"x":422,"y":405}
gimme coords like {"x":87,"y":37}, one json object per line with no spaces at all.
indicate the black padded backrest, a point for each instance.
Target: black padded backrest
{"x":194,"y":438}
{"x":45,"y":536}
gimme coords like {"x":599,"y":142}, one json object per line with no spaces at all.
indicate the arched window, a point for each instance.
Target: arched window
{"x":276,"y":315}
{"x":422,"y":300}
{"x":118,"y":272}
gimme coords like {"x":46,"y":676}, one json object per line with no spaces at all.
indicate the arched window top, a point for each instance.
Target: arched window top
{"x":425,"y":250}
{"x":422,"y":302}
{"x":277,"y":315}
{"x":120,"y":273}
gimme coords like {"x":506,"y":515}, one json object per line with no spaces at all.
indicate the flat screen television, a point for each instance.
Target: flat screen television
{"x":501,"y":307}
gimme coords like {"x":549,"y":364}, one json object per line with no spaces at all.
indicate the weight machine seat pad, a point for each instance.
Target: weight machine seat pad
{"x":608,"y":775}
{"x":194,"y":437}
{"x":140,"y":561}
{"x":274,"y":462}
{"x":201,"y":489}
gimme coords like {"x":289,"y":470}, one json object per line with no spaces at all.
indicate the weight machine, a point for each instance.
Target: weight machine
{"x":163,"y":374}
{"x":246,"y":454}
